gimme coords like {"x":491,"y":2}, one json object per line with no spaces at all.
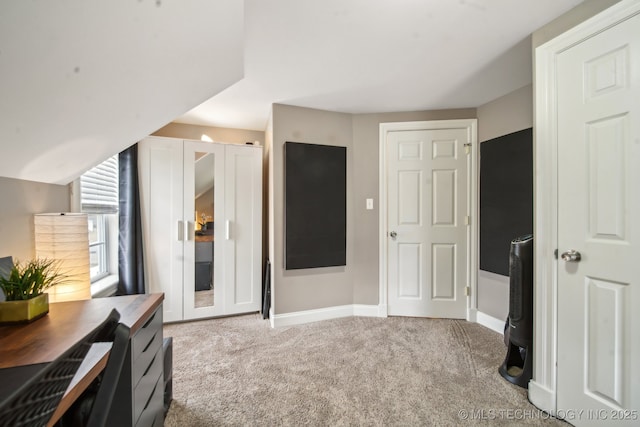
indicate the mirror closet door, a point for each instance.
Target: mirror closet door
{"x":203,"y":213}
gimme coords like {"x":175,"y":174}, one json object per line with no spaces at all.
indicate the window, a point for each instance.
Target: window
{"x":98,"y":246}
{"x":99,"y":199}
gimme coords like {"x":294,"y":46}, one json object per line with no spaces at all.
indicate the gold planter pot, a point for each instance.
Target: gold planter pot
{"x":24,"y":311}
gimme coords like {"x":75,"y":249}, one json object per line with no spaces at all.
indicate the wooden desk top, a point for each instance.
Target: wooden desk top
{"x":68,"y":322}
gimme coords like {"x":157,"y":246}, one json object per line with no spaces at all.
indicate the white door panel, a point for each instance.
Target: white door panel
{"x":160,"y":175}
{"x":598,"y":213}
{"x":203,"y":169}
{"x":428,"y":200}
{"x":243,"y":202}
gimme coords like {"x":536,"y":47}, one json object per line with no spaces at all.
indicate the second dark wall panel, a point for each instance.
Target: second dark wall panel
{"x":506,"y":197}
{"x":315,"y":205}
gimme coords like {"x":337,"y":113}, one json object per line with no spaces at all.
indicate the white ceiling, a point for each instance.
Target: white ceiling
{"x":360,"y":56}
{"x":83,"y":79}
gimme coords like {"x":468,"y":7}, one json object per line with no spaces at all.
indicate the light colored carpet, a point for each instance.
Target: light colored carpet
{"x":396,"y":371}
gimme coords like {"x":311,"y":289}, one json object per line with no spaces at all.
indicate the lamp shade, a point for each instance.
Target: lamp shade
{"x":64,"y":237}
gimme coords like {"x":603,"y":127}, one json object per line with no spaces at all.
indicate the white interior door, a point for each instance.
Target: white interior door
{"x":598,"y":85}
{"x":427,"y":222}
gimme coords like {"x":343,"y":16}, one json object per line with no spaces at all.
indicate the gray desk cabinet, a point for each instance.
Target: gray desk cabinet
{"x":139,"y":395}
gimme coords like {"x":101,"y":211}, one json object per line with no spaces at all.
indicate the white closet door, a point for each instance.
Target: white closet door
{"x":202,"y":220}
{"x":160,"y":174}
{"x":243,"y":229}
{"x":203,"y":279}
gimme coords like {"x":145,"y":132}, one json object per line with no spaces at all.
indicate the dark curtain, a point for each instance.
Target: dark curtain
{"x":130,"y":259}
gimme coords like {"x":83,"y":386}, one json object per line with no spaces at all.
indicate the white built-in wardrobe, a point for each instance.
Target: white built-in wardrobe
{"x":202,"y":223}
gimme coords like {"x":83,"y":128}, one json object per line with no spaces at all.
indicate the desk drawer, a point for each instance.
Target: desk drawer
{"x":144,"y":391}
{"x":153,"y":407}
{"x":143,"y":361}
{"x":142,"y":338}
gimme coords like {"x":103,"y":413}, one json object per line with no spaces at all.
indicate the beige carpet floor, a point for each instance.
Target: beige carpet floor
{"x":237,"y":371}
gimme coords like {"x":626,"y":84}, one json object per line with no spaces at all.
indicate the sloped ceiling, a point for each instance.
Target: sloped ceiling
{"x":83,"y":79}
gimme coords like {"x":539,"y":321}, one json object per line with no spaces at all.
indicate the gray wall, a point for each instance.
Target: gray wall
{"x":20,"y":200}
{"x":297,"y":290}
{"x":511,"y":113}
{"x":366,"y":159}
{"x":234,"y":136}
{"x":505,"y":115}
{"x":358,"y":282}
{"x":575,"y":16}
{"x":502,"y":116}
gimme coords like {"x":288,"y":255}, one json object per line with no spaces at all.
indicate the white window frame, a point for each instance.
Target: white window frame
{"x":102,"y":243}
{"x":99,"y":198}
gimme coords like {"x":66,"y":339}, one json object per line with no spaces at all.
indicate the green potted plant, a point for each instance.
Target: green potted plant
{"x":24,"y":287}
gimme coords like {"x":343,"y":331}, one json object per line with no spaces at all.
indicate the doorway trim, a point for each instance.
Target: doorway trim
{"x":543,"y":386}
{"x":472,"y":249}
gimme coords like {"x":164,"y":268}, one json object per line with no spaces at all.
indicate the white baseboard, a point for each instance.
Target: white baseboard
{"x":487,"y":321}
{"x":542,"y":397}
{"x":271,"y":315}
{"x":366,"y":310}
{"x":307,"y":316}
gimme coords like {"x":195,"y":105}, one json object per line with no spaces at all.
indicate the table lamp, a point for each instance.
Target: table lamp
{"x":64,"y":237}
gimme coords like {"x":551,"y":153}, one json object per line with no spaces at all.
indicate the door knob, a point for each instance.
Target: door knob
{"x":393,"y":234}
{"x":571,"y":256}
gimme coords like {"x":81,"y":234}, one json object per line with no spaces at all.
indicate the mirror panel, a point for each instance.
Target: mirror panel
{"x":204,"y":220}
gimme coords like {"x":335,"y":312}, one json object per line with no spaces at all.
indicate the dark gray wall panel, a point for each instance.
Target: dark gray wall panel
{"x":315,"y":205}
{"x":506,"y":197}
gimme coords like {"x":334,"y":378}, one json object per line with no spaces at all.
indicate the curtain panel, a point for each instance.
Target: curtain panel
{"x":130,"y":257}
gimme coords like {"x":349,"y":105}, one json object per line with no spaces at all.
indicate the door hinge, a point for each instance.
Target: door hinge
{"x":467,"y":147}
{"x":467,"y":220}
{"x":467,"y":291}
